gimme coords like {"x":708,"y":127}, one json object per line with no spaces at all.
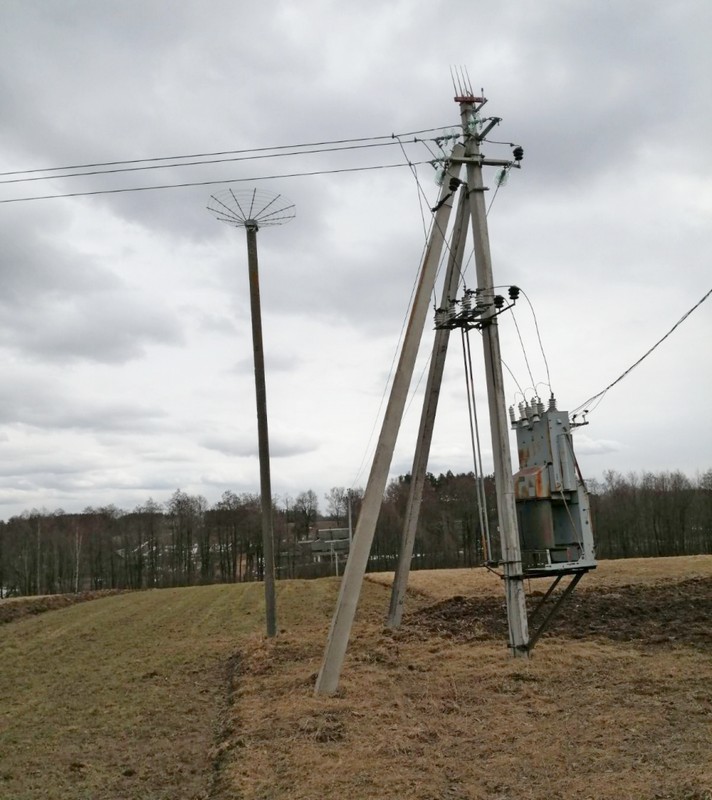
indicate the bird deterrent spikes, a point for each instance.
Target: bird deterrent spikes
{"x":251,"y":208}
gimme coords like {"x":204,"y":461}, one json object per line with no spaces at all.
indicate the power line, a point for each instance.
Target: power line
{"x":208,"y":183}
{"x":221,"y":153}
{"x":420,"y":192}
{"x":501,"y":179}
{"x":175,"y":165}
{"x":643,"y":357}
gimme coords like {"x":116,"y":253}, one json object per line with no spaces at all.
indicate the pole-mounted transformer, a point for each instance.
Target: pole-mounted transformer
{"x":552,"y":503}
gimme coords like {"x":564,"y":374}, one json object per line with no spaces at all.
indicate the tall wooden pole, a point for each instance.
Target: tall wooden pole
{"x":262,"y":431}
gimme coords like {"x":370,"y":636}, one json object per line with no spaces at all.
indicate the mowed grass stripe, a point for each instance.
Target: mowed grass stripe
{"x":119,"y":697}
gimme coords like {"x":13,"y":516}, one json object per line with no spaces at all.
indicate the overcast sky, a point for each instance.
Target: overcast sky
{"x":124,"y":318}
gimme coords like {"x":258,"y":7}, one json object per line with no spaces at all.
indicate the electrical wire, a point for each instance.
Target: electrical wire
{"x":205,"y":183}
{"x":177,"y":165}
{"x":524,"y":349}
{"x":420,"y":192}
{"x":494,"y":141}
{"x":538,"y":336}
{"x":476,"y":447}
{"x":500,"y":184}
{"x":421,"y":195}
{"x":494,"y":197}
{"x":463,"y":270}
{"x":414,"y":391}
{"x":434,"y":222}
{"x":600,"y":395}
{"x":436,"y":157}
{"x":222,"y":152}
{"x":506,"y":366}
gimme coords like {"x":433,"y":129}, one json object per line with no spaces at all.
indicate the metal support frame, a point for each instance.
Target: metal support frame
{"x":554,"y":610}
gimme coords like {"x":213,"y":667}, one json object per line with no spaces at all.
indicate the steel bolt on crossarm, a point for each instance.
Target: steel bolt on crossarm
{"x":252,"y":210}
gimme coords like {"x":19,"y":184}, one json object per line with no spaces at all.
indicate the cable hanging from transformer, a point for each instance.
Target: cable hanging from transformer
{"x":600,"y":395}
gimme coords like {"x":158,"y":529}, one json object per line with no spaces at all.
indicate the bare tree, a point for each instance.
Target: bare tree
{"x":337,"y":501}
{"x":306,"y":509}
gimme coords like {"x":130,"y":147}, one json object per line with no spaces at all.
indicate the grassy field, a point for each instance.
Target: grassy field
{"x":175,"y":693}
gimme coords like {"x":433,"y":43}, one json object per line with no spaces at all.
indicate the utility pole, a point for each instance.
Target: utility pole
{"x":427,"y":418}
{"x":262,"y":431}
{"x":506,"y":509}
{"x":252,"y":210}
{"x":351,"y":529}
{"x":39,"y":528}
{"x":342,"y":621}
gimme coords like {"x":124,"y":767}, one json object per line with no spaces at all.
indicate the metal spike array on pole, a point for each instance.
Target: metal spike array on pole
{"x":252,"y":210}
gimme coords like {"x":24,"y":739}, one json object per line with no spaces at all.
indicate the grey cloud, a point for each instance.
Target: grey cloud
{"x":48,"y":405}
{"x":35,"y":262}
{"x":215,"y":323}
{"x":280,"y":446}
{"x":105,"y":332}
{"x":638,"y":86}
{"x":108,"y":328}
{"x":274,"y":362}
{"x":60,"y":305}
{"x":76,"y":489}
{"x":600,"y":95}
{"x":36,"y":468}
{"x":587,"y":446}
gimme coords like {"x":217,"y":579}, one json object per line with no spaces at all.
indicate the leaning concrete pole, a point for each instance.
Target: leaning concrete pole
{"x":427,"y":418}
{"x":506,"y":509}
{"x":342,"y":621}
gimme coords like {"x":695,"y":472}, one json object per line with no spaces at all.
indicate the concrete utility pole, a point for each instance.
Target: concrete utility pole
{"x":507,"y":514}
{"x":342,"y":621}
{"x":251,"y":210}
{"x":427,"y":418}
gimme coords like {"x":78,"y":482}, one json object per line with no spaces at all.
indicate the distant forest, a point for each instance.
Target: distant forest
{"x":186,"y":541}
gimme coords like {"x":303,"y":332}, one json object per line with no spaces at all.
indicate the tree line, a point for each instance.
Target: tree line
{"x":186,"y":541}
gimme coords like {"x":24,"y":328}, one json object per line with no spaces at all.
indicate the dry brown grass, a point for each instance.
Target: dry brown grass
{"x":436,"y":712}
{"x":121,"y":698}
{"x":440,"y":584}
{"x":452,"y":720}
{"x":15,"y":608}
{"x":449,"y":720}
{"x":176,"y":694}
